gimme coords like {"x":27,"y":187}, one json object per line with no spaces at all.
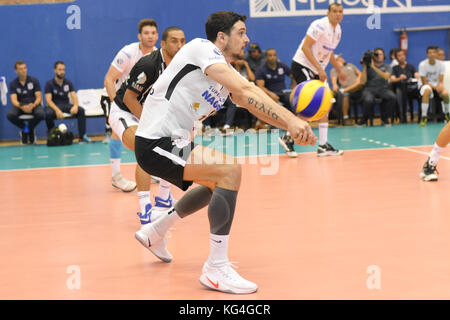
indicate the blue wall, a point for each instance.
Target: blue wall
{"x":38,"y":35}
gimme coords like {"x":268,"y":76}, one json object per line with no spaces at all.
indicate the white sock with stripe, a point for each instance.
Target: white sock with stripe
{"x":218,"y":248}
{"x":144,"y":199}
{"x":164,"y":189}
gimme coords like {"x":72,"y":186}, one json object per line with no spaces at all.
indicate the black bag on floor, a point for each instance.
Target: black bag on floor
{"x":57,"y":138}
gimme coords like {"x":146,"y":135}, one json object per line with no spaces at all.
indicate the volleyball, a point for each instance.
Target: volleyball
{"x":311,"y":99}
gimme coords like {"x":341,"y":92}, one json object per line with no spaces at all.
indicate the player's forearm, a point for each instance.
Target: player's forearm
{"x":131,"y":101}
{"x":110,"y":88}
{"x":263,"y":107}
{"x":309,"y":54}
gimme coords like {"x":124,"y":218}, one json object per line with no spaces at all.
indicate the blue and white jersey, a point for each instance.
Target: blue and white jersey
{"x":183,"y":93}
{"x":327,"y":39}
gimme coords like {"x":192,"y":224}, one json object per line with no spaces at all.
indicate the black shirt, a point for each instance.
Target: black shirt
{"x":60,"y":94}
{"x":25,"y":93}
{"x":408,"y":71}
{"x":141,"y":78}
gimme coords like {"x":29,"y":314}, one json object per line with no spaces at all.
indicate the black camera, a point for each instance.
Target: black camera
{"x":368,"y":56}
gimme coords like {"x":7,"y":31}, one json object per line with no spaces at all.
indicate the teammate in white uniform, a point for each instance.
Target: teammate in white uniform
{"x":126,"y":111}
{"x":117,"y":73}
{"x":309,"y":62}
{"x":196,"y":83}
{"x":431,"y":72}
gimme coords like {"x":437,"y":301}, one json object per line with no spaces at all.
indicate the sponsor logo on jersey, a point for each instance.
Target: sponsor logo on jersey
{"x":138,"y":84}
{"x":196,"y":105}
{"x":212,"y":97}
{"x":66,"y":88}
{"x":30,"y":86}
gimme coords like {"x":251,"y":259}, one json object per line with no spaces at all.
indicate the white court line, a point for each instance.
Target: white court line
{"x":69,"y":155}
{"x":16,"y":158}
{"x":421,"y":152}
{"x":42,"y":157}
{"x":95,"y":154}
{"x":252,"y":156}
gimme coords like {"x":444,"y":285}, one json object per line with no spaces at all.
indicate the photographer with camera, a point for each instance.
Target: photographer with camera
{"x":374,"y":77}
{"x":404,"y":80}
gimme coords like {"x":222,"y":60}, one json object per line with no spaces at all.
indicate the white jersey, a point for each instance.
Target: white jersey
{"x":327,"y":39}
{"x":183,"y":93}
{"x":125,"y":59}
{"x":431,"y":71}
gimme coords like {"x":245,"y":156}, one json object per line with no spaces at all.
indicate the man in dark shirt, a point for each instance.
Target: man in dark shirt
{"x":375,"y":77}
{"x":271,"y":78}
{"x":255,"y":57}
{"x":126,"y":111}
{"x":26,"y":98}
{"x":57,"y":92}
{"x":404,"y":80}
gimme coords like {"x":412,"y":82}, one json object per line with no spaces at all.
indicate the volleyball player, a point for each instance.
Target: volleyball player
{"x":196,"y":83}
{"x":126,"y":111}
{"x":117,"y":73}
{"x":309,"y":62}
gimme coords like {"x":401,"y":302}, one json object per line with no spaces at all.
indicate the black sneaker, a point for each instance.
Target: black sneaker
{"x":328,"y":150}
{"x":288,"y":145}
{"x":23,"y":137}
{"x":429,"y":172}
{"x":31,"y":137}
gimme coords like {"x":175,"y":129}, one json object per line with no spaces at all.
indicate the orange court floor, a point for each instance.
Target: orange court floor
{"x":317,"y":229}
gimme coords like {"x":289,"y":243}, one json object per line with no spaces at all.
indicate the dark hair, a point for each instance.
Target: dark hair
{"x":221,"y":21}
{"x":394,"y":51}
{"x":334,"y":4}
{"x":270,"y":49}
{"x":18,"y":63}
{"x":146,"y":22}
{"x":431,"y":48}
{"x":381,"y":49}
{"x":58,"y":62}
{"x":165,"y":34}
{"x":398,"y":51}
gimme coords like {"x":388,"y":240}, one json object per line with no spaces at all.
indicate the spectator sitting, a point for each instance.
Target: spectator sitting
{"x":440,"y":54}
{"x":271,"y":78}
{"x":57,"y":93}
{"x":404,"y":80}
{"x":374,"y":77}
{"x":26,"y":98}
{"x":431,"y":72}
{"x":393,"y":55}
{"x":347,"y":90}
{"x":255,"y":57}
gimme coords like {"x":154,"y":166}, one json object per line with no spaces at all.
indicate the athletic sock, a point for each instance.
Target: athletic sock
{"x":115,"y":149}
{"x":424,"y":108}
{"x":164,"y":189}
{"x":163,"y":224}
{"x":115,"y":166}
{"x":144,"y":199}
{"x":435,"y":154}
{"x":323,"y":133}
{"x":218,"y":248}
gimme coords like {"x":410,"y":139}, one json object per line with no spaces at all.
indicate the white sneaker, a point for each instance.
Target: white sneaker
{"x":123,"y":184}
{"x":150,"y":239}
{"x":222,"y":277}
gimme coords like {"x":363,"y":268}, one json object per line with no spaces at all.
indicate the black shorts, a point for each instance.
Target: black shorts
{"x":302,"y":73}
{"x":164,"y":158}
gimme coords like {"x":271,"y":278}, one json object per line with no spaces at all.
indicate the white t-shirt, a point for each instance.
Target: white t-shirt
{"x":431,"y":72}
{"x":327,"y":39}
{"x":125,"y":59}
{"x":183,"y":93}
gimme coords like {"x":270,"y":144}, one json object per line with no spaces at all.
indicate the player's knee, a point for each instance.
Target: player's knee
{"x":231,"y":175}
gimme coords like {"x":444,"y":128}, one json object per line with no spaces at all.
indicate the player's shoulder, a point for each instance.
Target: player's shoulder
{"x":320,"y":23}
{"x":129,"y":49}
